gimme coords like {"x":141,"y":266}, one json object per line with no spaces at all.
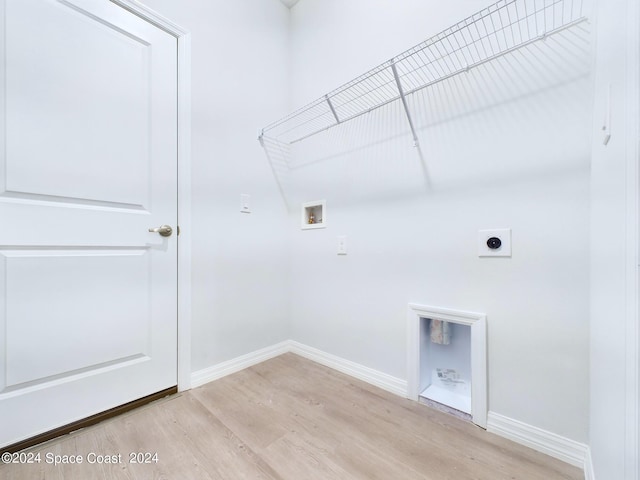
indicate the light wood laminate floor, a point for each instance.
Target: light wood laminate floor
{"x":289,"y":418}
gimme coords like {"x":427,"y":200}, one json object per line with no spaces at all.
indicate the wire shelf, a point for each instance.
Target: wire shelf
{"x":491,"y":33}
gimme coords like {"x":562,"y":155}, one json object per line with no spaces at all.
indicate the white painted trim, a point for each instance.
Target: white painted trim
{"x":374,"y":377}
{"x":478,"y":324}
{"x":632,"y":328}
{"x":151,"y":16}
{"x":569,"y":451}
{"x":234,"y":365}
{"x":366,"y":374}
{"x":589,"y":474}
{"x":184,"y":181}
{"x":184,"y":211}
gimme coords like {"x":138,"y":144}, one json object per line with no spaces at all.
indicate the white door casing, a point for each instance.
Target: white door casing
{"x":88,"y":297}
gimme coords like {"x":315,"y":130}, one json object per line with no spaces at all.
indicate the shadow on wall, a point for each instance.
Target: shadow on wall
{"x":521,"y":115}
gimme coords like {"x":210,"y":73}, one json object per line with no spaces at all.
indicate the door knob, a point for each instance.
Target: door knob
{"x":164,"y":230}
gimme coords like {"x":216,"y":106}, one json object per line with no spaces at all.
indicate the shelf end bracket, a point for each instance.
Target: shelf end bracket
{"x":333,"y":110}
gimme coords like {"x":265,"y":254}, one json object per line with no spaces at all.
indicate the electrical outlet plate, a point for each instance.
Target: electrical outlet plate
{"x":504,"y":234}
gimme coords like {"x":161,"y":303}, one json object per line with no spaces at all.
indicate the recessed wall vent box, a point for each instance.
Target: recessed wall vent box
{"x":314,"y":215}
{"x":447,"y":361}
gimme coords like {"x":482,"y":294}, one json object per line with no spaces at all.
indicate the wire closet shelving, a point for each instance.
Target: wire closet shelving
{"x":495,"y":31}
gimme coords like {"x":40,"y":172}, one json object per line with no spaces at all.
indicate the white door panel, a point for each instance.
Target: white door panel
{"x":48,"y":108}
{"x":87,"y":295}
{"x":78,"y":286}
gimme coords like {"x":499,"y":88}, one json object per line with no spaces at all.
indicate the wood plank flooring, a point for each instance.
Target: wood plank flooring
{"x":289,"y":419}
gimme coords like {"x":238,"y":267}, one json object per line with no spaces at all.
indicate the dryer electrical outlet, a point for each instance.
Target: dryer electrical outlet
{"x":494,"y":243}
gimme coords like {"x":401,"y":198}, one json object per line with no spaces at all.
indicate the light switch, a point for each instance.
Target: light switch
{"x":245,"y":203}
{"x":342,"y":245}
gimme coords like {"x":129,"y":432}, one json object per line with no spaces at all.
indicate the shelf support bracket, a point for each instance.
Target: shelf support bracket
{"x":416,"y":144}
{"x":404,"y":103}
{"x":333,"y":110}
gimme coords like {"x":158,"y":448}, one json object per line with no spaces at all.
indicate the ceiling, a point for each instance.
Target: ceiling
{"x":289,"y":3}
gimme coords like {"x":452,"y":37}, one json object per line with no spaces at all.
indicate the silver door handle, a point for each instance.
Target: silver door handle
{"x":164,"y":230}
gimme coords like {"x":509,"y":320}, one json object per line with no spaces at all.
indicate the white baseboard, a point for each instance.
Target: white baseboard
{"x":234,"y":365}
{"x":366,"y":374}
{"x":589,"y":474}
{"x":569,"y":451}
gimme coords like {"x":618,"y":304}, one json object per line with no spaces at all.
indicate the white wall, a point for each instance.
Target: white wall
{"x":499,"y":156}
{"x":240,"y":261}
{"x":614,"y":331}
{"x":408,"y":243}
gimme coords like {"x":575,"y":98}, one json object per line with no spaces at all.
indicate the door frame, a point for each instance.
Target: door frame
{"x":183,"y":38}
{"x":632,"y":328}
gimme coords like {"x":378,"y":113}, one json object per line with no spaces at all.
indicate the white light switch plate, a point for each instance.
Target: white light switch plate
{"x":504,"y":234}
{"x":342,"y":245}
{"x":245,"y":203}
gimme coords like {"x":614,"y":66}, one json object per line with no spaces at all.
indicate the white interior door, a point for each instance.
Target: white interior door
{"x":88,"y":302}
